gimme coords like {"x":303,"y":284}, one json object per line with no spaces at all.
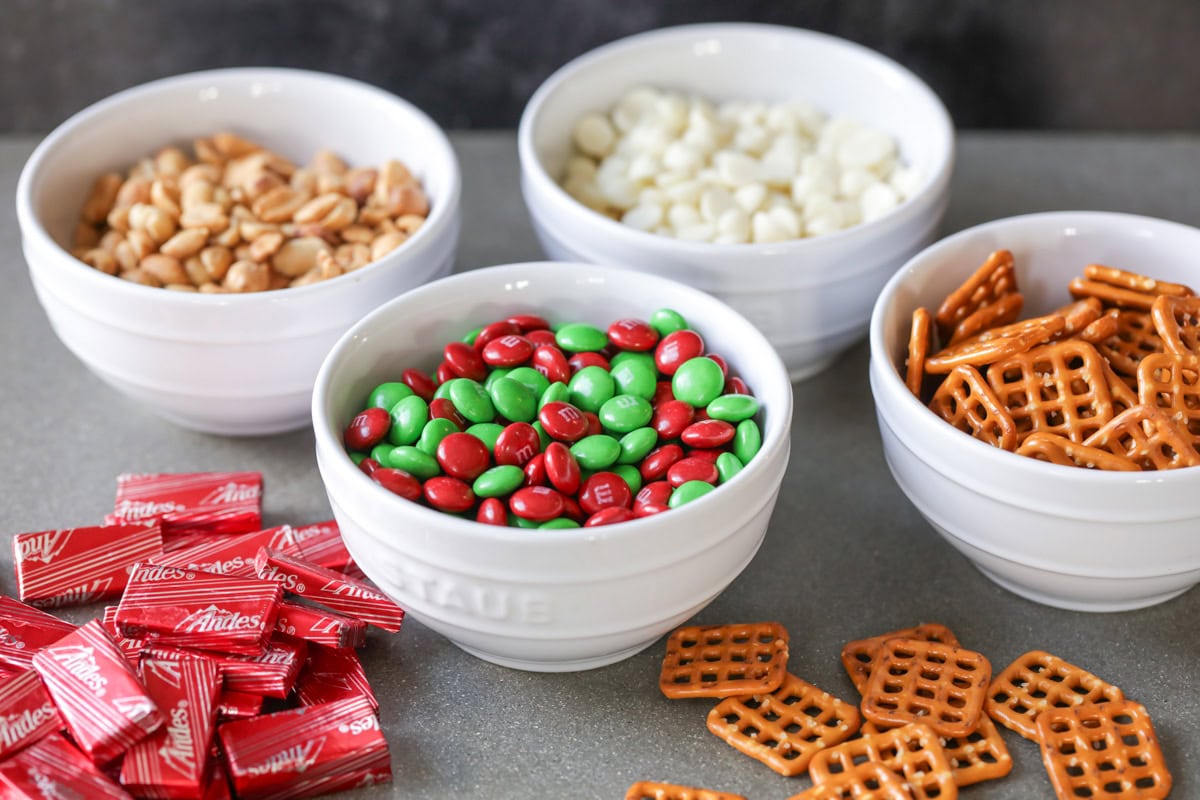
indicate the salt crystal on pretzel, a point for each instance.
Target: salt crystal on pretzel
{"x":52,"y":769}
{"x":231,"y":555}
{"x":198,"y":609}
{"x":331,"y":674}
{"x":26,"y":712}
{"x":328,"y":588}
{"x":78,"y":566}
{"x":173,"y":761}
{"x":306,"y":751}
{"x":105,"y":706}
{"x":196,"y":502}
{"x":272,"y":673}
{"x":24,"y":630}
{"x":320,"y":626}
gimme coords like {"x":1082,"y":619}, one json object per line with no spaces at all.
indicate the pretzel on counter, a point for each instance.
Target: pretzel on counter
{"x":1107,"y":750}
{"x":724,"y":660}
{"x":936,"y":684}
{"x":859,"y":657}
{"x":785,"y":728}
{"x":1037,"y":681}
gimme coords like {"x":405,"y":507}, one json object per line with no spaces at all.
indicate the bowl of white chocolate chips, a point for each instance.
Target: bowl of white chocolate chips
{"x":787,"y":172}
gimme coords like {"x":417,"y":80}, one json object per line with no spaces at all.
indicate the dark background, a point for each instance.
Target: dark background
{"x":1031,"y":64}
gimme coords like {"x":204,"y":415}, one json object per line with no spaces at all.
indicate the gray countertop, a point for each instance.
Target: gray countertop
{"x":846,"y":555}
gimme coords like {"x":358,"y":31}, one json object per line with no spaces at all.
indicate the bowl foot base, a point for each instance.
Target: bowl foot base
{"x":572,"y":665}
{"x":1073,"y":604}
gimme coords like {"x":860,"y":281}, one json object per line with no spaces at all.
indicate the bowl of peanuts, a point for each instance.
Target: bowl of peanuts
{"x":1037,"y":386}
{"x":553,"y":537}
{"x":201,"y":241}
{"x":785,"y":171}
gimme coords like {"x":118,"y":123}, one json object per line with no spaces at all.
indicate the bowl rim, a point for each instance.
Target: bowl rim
{"x":776,"y":437}
{"x":896,"y":401}
{"x":533,"y":170}
{"x":442,"y":214}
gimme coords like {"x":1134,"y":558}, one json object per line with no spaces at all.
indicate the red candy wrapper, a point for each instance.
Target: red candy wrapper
{"x":77,"y":566}
{"x":273,"y":673}
{"x":24,"y":630}
{"x":330,"y":675}
{"x":318,"y":626}
{"x":332,"y":589}
{"x":186,"y":503}
{"x":53,"y":769}
{"x":105,"y":706}
{"x":130,"y":648}
{"x":231,"y":555}
{"x":173,"y":762}
{"x":190,"y":608}
{"x":321,"y":543}
{"x":306,"y":751}
{"x":26,"y":712}
{"x":238,"y":705}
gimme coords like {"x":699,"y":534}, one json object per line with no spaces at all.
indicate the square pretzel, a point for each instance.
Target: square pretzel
{"x":1058,"y":388}
{"x":858,"y":657}
{"x":724,"y":660}
{"x":1135,"y":339}
{"x":652,"y":790}
{"x":1148,"y":437}
{"x":1038,"y":681}
{"x":867,"y":781}
{"x":979,"y":756}
{"x":1171,"y":383}
{"x":1107,"y":750}
{"x":785,"y":728}
{"x":936,"y":684}
{"x":966,"y":402}
{"x":914,"y":751}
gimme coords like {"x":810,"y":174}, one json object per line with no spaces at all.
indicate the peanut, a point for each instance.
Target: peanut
{"x":166,"y":269}
{"x":156,"y":223}
{"x":186,"y":243}
{"x":86,"y":236}
{"x":170,"y":161}
{"x":279,"y":204}
{"x":298,"y":256}
{"x":216,"y":261}
{"x":386,"y":244}
{"x":266,"y":246}
{"x":242,"y":218}
{"x":140,"y":276}
{"x":101,"y":260}
{"x":102,"y":198}
{"x":247,"y":276}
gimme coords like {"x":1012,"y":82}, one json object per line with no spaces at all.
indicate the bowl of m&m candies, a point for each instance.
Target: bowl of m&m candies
{"x":553,"y":464}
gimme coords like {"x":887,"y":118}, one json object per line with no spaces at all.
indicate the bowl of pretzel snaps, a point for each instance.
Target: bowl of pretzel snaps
{"x":1037,"y":387}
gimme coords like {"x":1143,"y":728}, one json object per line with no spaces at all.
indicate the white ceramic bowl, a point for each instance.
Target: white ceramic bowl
{"x":231,"y":364}
{"x":1064,"y":536}
{"x":550,"y":600}
{"x":812,"y":297}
